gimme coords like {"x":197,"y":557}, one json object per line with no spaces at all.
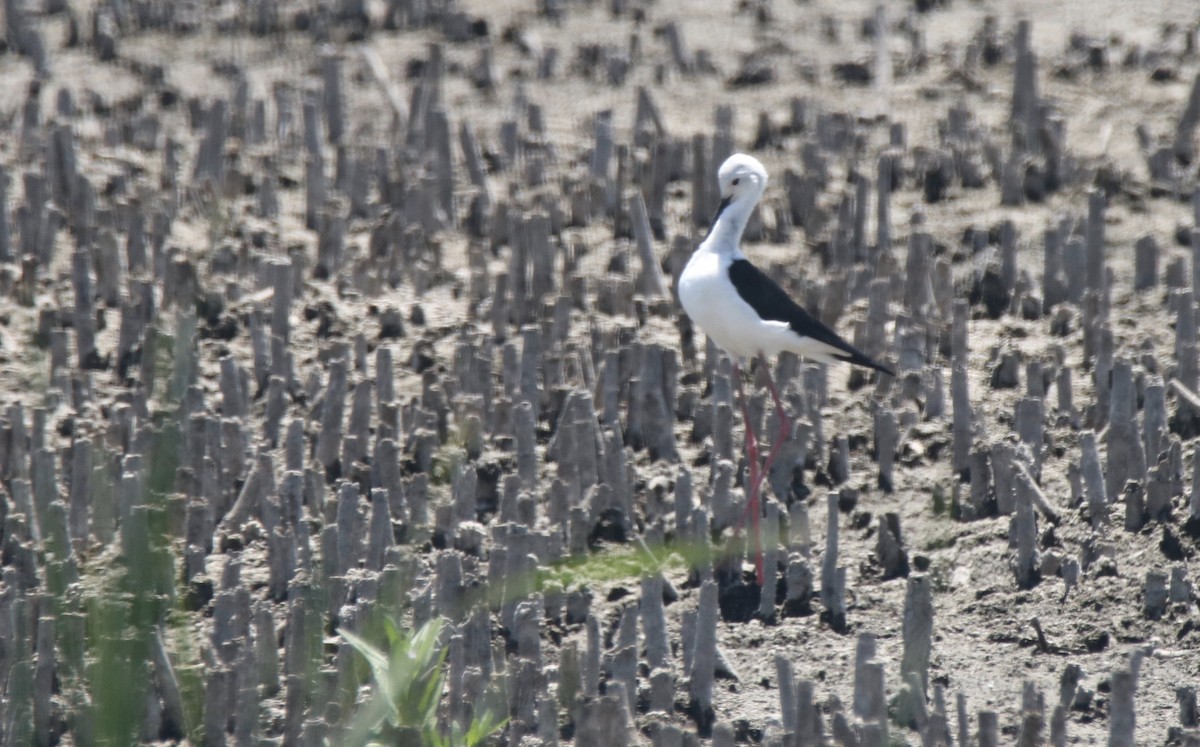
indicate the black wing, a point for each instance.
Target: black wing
{"x":772,"y":303}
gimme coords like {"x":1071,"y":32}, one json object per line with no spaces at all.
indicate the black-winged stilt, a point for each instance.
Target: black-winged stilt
{"x":747,"y":314}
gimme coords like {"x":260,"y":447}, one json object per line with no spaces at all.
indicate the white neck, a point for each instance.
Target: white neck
{"x":726,"y":234}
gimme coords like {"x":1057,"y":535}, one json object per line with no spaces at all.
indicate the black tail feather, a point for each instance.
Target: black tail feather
{"x":858,"y":358}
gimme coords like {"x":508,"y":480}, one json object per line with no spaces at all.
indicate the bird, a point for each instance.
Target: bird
{"x":749,"y":316}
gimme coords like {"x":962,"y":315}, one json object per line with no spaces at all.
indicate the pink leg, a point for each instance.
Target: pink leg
{"x":785,"y":430}
{"x":785,"y":423}
{"x":754,"y":480}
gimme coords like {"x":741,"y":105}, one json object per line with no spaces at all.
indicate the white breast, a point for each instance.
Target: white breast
{"x":714,"y":305}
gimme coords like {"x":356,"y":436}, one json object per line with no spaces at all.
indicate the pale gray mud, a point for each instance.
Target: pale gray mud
{"x":521,"y":282}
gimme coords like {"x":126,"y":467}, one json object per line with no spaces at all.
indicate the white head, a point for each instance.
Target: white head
{"x":741,"y":180}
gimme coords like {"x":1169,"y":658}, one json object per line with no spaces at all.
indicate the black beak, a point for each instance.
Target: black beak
{"x":720,"y":209}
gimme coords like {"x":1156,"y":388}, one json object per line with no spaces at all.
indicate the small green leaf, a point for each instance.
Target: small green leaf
{"x":376,"y":658}
{"x":483,"y":726}
{"x":393,"y":633}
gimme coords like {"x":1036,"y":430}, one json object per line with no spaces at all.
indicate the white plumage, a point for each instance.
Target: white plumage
{"x":715,"y":305}
{"x":740,"y":308}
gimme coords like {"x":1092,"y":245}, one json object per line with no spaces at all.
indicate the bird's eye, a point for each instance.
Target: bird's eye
{"x":735,"y":181}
